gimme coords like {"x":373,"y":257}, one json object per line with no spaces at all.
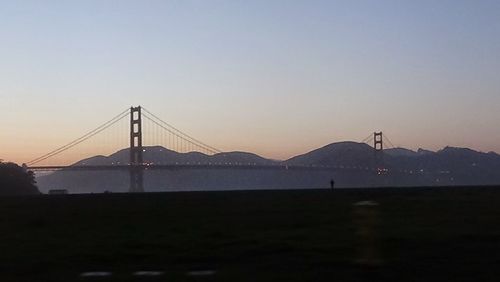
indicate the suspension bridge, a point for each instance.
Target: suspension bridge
{"x":146,"y":129}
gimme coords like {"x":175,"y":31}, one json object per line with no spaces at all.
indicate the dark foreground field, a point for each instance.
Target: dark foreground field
{"x":445,"y":234}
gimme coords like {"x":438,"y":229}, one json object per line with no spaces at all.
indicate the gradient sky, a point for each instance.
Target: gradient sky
{"x":276,"y":78}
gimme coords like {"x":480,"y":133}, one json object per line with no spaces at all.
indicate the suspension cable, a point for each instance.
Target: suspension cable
{"x":179,"y":133}
{"x":183,"y":138}
{"x":367,"y":138}
{"x":77,"y":141}
{"x":388,"y":141}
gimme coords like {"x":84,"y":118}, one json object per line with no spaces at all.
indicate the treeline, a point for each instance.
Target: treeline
{"x":15,"y":180}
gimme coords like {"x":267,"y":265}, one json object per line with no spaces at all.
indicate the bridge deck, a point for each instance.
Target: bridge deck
{"x":183,"y":166}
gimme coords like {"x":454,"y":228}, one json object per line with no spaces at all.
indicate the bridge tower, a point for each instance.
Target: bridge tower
{"x":378,"y":141}
{"x":378,"y":146}
{"x":136,"y":161}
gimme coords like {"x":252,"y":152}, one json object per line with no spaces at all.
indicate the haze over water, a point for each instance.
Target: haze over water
{"x":276,"y":78}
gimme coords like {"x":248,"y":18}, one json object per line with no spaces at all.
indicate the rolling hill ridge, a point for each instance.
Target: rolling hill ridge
{"x":361,"y":168}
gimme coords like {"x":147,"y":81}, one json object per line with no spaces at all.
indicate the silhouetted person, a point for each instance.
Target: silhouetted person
{"x":332,"y":184}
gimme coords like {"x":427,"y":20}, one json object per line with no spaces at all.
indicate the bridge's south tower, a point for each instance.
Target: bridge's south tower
{"x":136,"y":162}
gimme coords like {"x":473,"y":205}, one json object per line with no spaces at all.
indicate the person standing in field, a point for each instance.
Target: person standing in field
{"x":332,"y":184}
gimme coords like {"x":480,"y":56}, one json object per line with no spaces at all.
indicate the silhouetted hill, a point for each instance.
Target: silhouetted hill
{"x":337,"y":154}
{"x":161,"y":155}
{"x":401,"y":152}
{"x":421,"y":151}
{"x":242,"y":158}
{"x":357,"y":165}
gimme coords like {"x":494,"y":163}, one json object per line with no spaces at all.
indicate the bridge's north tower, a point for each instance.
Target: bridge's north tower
{"x":378,"y":143}
{"x":136,"y":161}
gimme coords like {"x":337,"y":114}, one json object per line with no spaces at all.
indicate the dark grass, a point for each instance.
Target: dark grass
{"x":422,"y":234}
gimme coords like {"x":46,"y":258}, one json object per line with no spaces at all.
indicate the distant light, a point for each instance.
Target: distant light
{"x":148,"y":273}
{"x":96,"y":274}
{"x":366,"y":203}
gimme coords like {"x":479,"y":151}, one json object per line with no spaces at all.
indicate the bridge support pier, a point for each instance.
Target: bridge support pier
{"x":136,"y":161}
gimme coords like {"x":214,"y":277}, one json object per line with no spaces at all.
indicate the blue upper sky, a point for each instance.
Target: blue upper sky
{"x":273,"y":77}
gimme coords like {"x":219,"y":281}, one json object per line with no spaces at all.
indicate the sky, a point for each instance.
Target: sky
{"x":277,"y":78}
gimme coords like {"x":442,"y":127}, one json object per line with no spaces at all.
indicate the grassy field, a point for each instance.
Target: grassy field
{"x":415,"y":234}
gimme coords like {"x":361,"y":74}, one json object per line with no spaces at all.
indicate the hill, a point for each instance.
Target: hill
{"x":338,"y":154}
{"x":161,"y":155}
{"x":357,"y":165}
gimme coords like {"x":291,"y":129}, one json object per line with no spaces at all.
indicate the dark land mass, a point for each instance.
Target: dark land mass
{"x":356,"y":166}
{"x":15,"y":180}
{"x":417,"y":234}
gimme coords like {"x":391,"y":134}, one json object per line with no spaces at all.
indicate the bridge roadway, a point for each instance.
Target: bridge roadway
{"x":188,"y":166}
